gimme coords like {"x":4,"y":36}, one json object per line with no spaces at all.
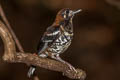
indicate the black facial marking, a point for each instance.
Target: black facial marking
{"x":67,"y":11}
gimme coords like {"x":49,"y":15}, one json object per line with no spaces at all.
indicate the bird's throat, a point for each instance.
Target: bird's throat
{"x":67,"y":24}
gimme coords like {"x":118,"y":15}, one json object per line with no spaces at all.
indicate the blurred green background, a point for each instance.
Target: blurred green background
{"x":95,"y":47}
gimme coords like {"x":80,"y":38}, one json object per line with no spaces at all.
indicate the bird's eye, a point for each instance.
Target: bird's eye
{"x":67,"y":11}
{"x":65,"y":14}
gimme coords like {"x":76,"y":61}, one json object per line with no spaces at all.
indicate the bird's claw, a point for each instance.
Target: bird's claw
{"x":72,"y":68}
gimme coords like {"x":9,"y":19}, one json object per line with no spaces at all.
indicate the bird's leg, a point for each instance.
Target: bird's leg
{"x":57,"y":57}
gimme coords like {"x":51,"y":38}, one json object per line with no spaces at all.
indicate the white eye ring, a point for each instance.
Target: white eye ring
{"x":64,"y":16}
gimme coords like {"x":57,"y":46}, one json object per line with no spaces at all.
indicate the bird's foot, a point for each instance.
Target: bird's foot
{"x":71,"y":68}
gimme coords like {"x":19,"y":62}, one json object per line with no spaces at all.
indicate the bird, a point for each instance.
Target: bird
{"x":57,"y":38}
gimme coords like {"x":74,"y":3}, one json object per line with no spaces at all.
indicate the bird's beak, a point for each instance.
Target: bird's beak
{"x":75,"y":12}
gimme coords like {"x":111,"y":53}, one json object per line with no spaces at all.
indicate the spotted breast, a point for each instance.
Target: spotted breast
{"x":61,"y":43}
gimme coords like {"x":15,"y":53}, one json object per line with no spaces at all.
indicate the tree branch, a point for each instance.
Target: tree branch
{"x":13,"y":34}
{"x":11,"y":30}
{"x":10,"y":55}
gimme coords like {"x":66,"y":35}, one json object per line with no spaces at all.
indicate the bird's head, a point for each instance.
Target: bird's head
{"x":65,"y":14}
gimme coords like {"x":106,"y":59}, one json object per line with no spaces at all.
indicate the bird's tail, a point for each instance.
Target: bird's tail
{"x":32,"y":68}
{"x":31,"y":71}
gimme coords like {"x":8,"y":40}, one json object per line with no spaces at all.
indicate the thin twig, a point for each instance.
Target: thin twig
{"x":11,"y":30}
{"x":10,"y":55}
{"x":13,"y":34}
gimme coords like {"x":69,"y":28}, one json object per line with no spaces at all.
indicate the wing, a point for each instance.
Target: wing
{"x":48,"y":38}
